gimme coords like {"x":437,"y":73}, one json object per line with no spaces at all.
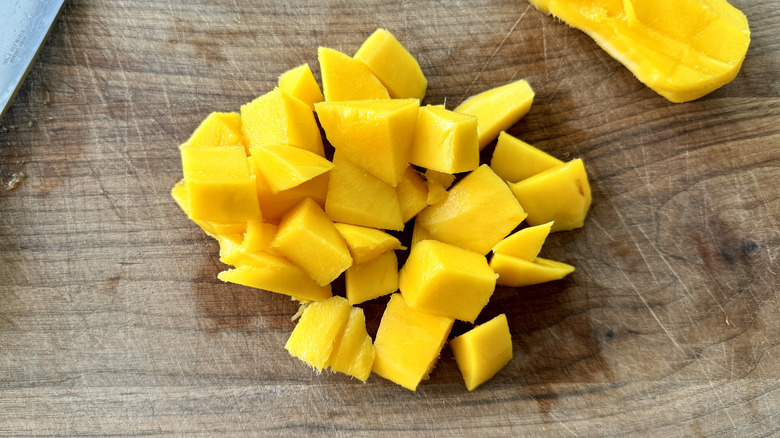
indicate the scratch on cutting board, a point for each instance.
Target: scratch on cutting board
{"x":484,"y":66}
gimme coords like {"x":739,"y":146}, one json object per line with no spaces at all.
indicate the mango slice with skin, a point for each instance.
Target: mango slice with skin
{"x":524,"y":244}
{"x":344,"y":78}
{"x":354,"y":353}
{"x":374,"y":134}
{"x":477,"y":213}
{"x":395,"y":67}
{"x":412,"y":193}
{"x":561,"y":194}
{"x":179,"y":195}
{"x":308,"y":237}
{"x":319,"y":328}
{"x":445,"y":141}
{"x":408,"y":343}
{"x":285,"y":167}
{"x":516,"y":272}
{"x":275,"y":205}
{"x":218,"y":129}
{"x":372,"y":279}
{"x":498,"y":109}
{"x":278,"y":118}
{"x":443,"y":279}
{"x":357,"y":197}
{"x":515,"y":160}
{"x":276,"y":274}
{"x":681,"y":49}
{"x":300,"y":83}
{"x":483,"y":351}
{"x":366,"y":244}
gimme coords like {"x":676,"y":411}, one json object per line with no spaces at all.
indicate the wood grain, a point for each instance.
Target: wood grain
{"x":112,"y":320}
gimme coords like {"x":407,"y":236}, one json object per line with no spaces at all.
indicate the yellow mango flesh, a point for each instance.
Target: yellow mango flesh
{"x":308,"y":238}
{"x":300,"y":83}
{"x":179,"y":194}
{"x":482,"y":351}
{"x":366,"y":244}
{"x":278,"y":118}
{"x":285,"y":167}
{"x":354,"y":353}
{"x":218,"y":129}
{"x":393,"y":65}
{"x":408,"y":342}
{"x":258,"y":237}
{"x":436,"y":192}
{"x":560,"y":194}
{"x":320,"y":327}
{"x":374,"y":134}
{"x":498,"y":109}
{"x":477,"y":213}
{"x":412,"y":193}
{"x":445,"y":141}
{"x":359,"y":198}
{"x":219,"y":184}
{"x":419,"y":234}
{"x":682,"y":49}
{"x":344,"y":78}
{"x":276,"y":274}
{"x":445,"y":280}
{"x":275,"y":205}
{"x":372,"y":279}
{"x":524,"y":244}
{"x":443,"y":178}
{"x":516,"y":272}
{"x":515,"y":160}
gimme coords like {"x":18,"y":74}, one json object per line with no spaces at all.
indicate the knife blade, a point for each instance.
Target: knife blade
{"x":24,"y":26}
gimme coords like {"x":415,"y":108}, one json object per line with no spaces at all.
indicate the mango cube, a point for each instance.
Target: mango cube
{"x":344,"y":78}
{"x":318,"y":330}
{"x":443,"y":279}
{"x":374,"y":134}
{"x":524,"y":244}
{"x":393,"y":65}
{"x":408,"y":342}
{"x":219,"y":183}
{"x":354,"y":353}
{"x":419,"y":234}
{"x":259,"y":236}
{"x":412,"y":193}
{"x":445,"y":141}
{"x":477,"y":213}
{"x":278,"y":118}
{"x":372,"y":279}
{"x":300,"y":83}
{"x":179,"y":195}
{"x":515,"y":160}
{"x":438,"y":183}
{"x":498,"y":109}
{"x":560,"y":194}
{"x":308,"y":238}
{"x":357,"y":197}
{"x":285,"y":167}
{"x":276,"y":274}
{"x":275,"y":205}
{"x":516,"y":272}
{"x":366,"y":244}
{"x":218,"y":129}
{"x":482,"y":351}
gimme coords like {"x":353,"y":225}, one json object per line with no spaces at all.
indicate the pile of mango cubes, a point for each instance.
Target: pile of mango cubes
{"x":291,"y":221}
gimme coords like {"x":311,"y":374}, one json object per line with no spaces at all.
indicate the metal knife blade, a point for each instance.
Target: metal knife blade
{"x":24,"y":25}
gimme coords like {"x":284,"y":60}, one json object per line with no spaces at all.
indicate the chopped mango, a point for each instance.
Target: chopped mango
{"x":366,"y":244}
{"x":276,"y":274}
{"x":515,"y":160}
{"x":374,"y":134}
{"x":412,"y":193}
{"x":443,"y":178}
{"x":498,"y":109}
{"x":258,"y":237}
{"x":408,"y":342}
{"x":477,"y":213}
{"x":285,"y":167}
{"x":218,"y":129}
{"x":307,"y":237}
{"x":393,"y":65}
{"x":524,"y":244}
{"x":278,"y":118}
{"x":354,"y":353}
{"x":443,"y":279}
{"x":230,"y":248}
{"x":344,"y":78}
{"x":359,"y":198}
{"x":372,"y":279}
{"x":445,"y":141}
{"x":482,"y":351}
{"x":275,"y":205}
{"x":516,"y":272}
{"x":419,"y":234}
{"x":219,"y":184}
{"x":682,"y":49}
{"x":560,"y":194}
{"x":438,"y":183}
{"x":300,"y":83}
{"x":318,"y":330}
{"x":179,"y":194}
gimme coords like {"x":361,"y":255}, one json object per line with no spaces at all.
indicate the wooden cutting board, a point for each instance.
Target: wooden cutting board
{"x":112,"y":321}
